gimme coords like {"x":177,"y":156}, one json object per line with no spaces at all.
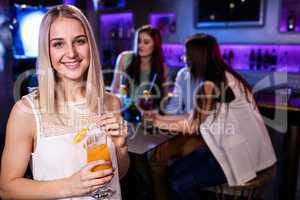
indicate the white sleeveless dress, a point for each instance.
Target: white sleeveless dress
{"x":55,"y":156}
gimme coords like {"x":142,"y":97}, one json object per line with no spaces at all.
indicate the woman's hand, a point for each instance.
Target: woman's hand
{"x":114,"y":126}
{"x":85,"y":181}
{"x":151,"y":116}
{"x":183,"y":124}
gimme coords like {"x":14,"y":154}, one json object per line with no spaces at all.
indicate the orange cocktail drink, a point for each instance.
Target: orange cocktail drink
{"x":97,"y":148}
{"x":99,"y":152}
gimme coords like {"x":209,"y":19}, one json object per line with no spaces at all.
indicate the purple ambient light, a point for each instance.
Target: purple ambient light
{"x":165,"y":22}
{"x":288,"y":58}
{"x":70,"y":2}
{"x":173,"y":54}
{"x":287,"y":55}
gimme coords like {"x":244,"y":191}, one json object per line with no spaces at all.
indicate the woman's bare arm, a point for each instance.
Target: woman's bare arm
{"x":186,"y":123}
{"x":175,"y":123}
{"x":16,"y":156}
{"x":119,"y":136}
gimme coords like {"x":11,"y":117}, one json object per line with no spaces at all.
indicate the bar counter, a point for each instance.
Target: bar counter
{"x":284,"y":118}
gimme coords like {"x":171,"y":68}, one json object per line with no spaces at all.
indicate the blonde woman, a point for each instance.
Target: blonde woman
{"x":42,"y":124}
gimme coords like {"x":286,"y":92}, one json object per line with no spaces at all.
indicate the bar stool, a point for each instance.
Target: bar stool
{"x":248,"y":189}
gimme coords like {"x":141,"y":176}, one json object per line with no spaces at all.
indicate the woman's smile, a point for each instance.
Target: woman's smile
{"x":73,"y":65}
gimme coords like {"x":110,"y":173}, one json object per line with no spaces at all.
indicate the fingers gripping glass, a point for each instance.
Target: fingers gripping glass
{"x":97,"y":149}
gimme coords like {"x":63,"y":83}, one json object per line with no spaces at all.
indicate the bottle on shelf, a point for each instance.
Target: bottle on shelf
{"x":291,"y":21}
{"x":173,"y":26}
{"x":128,"y":30}
{"x":230,"y":57}
{"x":285,"y":61}
{"x":120,"y":30}
{"x":273,"y":60}
{"x":259,"y":59}
{"x":266,"y":59}
{"x":225,"y":56}
{"x":252,"y":59}
{"x":113,"y":33}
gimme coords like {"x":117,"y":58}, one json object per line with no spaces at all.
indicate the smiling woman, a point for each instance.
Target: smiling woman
{"x":42,"y":124}
{"x":69,"y":49}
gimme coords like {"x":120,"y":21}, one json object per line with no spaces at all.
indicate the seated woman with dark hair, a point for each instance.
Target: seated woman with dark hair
{"x":137,"y":69}
{"x":225,"y":116}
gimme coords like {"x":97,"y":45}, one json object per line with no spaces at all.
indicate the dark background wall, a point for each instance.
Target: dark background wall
{"x":184,"y":9}
{"x":6,"y":83}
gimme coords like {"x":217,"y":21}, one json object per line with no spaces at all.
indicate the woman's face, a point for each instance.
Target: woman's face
{"x":69,"y":49}
{"x":145,"y":44}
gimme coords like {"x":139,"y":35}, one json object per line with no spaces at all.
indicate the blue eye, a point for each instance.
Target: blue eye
{"x":57,"y":45}
{"x":81,"y":41}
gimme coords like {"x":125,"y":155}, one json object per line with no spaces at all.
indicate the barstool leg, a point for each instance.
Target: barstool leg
{"x":217,"y":192}
{"x":235,"y":195}
{"x":242,"y":194}
{"x":251,"y":194}
{"x":222,"y":193}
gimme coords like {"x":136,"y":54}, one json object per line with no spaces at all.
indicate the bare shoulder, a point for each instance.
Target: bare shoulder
{"x":23,"y":109}
{"x":120,"y":63}
{"x":21,"y":119}
{"x":19,"y":141}
{"x":112,"y":102}
{"x":125,"y":53}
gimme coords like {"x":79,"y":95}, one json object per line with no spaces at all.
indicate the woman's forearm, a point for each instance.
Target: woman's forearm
{"x":123,"y":160}
{"x":116,"y":83}
{"x":22,"y":188}
{"x":171,"y":118}
{"x":175,"y":123}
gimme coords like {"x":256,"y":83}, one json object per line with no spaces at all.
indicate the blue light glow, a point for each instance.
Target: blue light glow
{"x":26,"y":30}
{"x":95,"y":5}
{"x":30,"y":26}
{"x":2,"y":51}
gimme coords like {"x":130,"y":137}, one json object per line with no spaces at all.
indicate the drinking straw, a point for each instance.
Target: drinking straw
{"x":152,"y":82}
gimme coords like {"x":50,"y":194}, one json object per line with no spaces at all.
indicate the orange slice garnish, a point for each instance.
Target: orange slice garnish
{"x":80,"y":135}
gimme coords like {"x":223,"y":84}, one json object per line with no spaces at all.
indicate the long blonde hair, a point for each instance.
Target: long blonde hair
{"x":48,"y":86}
